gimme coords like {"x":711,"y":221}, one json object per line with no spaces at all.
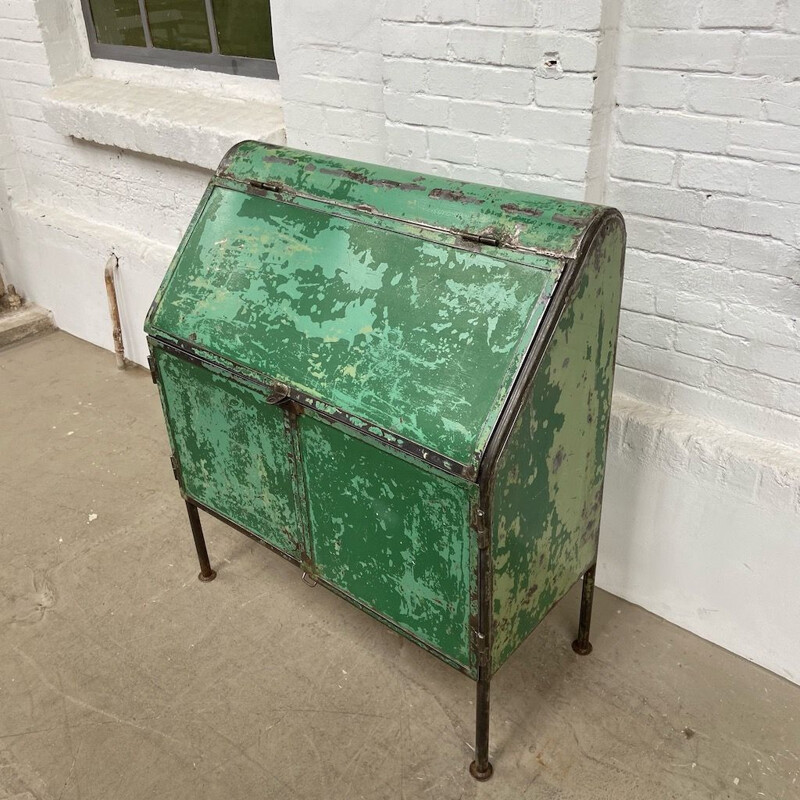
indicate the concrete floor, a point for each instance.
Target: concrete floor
{"x":122,"y":676}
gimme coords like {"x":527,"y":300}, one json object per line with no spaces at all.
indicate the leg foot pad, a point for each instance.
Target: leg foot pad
{"x":206,"y":578}
{"x":582,"y":649}
{"x":481,"y":775}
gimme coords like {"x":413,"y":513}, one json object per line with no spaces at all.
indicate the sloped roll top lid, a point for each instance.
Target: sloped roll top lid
{"x":363,"y":296}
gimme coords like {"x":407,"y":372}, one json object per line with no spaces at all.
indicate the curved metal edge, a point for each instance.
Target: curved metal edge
{"x":487,"y":468}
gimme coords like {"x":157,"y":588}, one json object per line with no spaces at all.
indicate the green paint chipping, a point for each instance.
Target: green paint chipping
{"x":393,"y":536}
{"x":396,"y":336}
{"x":346,"y":312}
{"x":232,"y":448}
{"x":549,"y":485}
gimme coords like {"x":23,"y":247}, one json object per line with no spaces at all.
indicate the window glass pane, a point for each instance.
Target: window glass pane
{"x":179,"y":25}
{"x":244,"y":28}
{"x":117,"y":22}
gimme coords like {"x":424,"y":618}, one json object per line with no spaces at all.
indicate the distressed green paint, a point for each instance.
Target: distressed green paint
{"x":549,"y":483}
{"x":232,"y":449}
{"x":346,"y":312}
{"x":540,"y":223}
{"x":353,"y":285}
{"x":393,"y":536}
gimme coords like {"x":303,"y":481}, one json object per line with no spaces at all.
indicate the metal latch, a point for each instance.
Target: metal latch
{"x":278,"y":392}
{"x":176,"y":468}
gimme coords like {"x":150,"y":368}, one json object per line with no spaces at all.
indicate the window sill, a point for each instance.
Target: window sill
{"x":186,"y":126}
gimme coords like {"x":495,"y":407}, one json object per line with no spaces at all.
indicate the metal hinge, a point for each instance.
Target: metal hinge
{"x":480,"y":238}
{"x":481,"y":646}
{"x":176,"y":467}
{"x":151,"y":362}
{"x":478,"y":523}
{"x":264,"y":186}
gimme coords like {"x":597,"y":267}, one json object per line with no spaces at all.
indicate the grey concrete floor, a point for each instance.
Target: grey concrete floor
{"x":122,"y":676}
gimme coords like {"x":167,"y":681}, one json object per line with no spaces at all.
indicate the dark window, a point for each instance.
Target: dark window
{"x":224,"y":35}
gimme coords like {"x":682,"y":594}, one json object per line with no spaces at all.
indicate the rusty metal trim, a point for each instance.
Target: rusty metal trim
{"x":269,"y":387}
{"x":461,"y":240}
{"x":463,"y":668}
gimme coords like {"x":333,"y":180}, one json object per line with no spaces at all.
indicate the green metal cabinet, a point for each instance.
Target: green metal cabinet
{"x":402,"y":384}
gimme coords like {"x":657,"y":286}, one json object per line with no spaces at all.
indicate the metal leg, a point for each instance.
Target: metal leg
{"x":582,"y":646}
{"x":481,"y":768}
{"x":206,"y":573}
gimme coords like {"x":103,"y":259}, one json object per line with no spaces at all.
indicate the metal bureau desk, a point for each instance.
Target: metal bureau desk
{"x":401,"y":383}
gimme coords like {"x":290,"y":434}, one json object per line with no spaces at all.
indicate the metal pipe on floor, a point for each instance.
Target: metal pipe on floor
{"x":113,"y":310}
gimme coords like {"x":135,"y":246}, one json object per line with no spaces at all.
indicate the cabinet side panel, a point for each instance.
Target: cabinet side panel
{"x":549,"y":483}
{"x":391,"y":535}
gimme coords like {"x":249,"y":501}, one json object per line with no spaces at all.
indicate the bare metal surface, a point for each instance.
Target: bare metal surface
{"x":113,"y":310}
{"x":122,"y":676}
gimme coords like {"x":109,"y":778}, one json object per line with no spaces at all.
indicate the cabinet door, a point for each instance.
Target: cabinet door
{"x":234,"y":449}
{"x":392,"y":535}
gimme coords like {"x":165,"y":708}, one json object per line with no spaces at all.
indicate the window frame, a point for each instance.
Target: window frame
{"x":159,"y":56}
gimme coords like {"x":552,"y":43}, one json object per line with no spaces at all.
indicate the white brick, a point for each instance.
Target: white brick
{"x":759,"y":324}
{"x":710,"y":344}
{"x":777,"y":182}
{"x":793,"y":16}
{"x":476,"y":45}
{"x":663,"y":362}
{"x":658,"y":89}
{"x":715,"y":173}
{"x":539,"y":124}
{"x":504,"y":154}
{"x":542,"y":185}
{"x":673,"y":130}
{"x":749,"y":216}
{"x":453,"y":80}
{"x":416,"y":109}
{"x":568,"y":163}
{"x":569,"y":91}
{"x":504,"y":85}
{"x":661,"y":13}
{"x":772,"y":54}
{"x":408,"y":10}
{"x":738,"y":14}
{"x":642,"y":164}
{"x":782,"y":103}
{"x":648,"y":329}
{"x":509,"y":13}
{"x":765,"y":135}
{"x":686,"y":307}
{"x":707,"y":50}
{"x":671,"y":238}
{"x":655,"y":201}
{"x":577,"y":53}
{"x":405,"y":75}
{"x":477,"y":117}
{"x":576,"y":15}
{"x":448,"y":146}
{"x":726,"y":94}
{"x":407,"y":140}
{"x":416,"y":41}
{"x":452,"y":11}
{"x":637,"y":296}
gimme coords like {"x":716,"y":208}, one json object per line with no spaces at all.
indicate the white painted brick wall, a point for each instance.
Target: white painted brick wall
{"x":684,"y":113}
{"x":707,"y":168}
